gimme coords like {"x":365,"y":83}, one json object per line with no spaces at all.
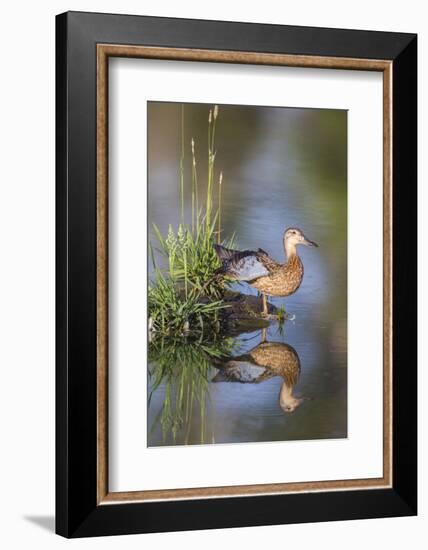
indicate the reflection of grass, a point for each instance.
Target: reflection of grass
{"x":179,"y":297}
{"x":280,"y":312}
{"x":183,"y":368}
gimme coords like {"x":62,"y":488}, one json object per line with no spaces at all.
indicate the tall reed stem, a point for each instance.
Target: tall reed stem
{"x":185,"y":271}
{"x":182,"y":165}
{"x":210,"y":160}
{"x":220,"y":181}
{"x":195,"y":206}
{"x":212,"y":117}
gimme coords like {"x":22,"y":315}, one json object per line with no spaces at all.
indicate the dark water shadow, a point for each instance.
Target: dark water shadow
{"x":45,"y":522}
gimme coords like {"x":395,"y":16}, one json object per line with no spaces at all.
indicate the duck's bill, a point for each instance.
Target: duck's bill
{"x":307,"y":242}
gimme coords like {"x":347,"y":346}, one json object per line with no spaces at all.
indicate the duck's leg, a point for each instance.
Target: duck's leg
{"x":265,"y":305}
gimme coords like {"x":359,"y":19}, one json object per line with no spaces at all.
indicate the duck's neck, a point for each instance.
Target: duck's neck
{"x":285,"y":394}
{"x":290,"y":250}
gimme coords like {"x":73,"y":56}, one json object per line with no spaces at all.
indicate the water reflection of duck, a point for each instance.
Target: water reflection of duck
{"x":258,"y":269}
{"x":263,"y":362}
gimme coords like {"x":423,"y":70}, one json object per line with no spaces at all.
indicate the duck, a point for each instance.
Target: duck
{"x":259,"y":270}
{"x":264,"y":361}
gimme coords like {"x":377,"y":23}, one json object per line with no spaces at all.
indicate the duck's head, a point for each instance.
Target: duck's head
{"x":291,"y":405}
{"x":294,"y":236}
{"x":287,"y":401}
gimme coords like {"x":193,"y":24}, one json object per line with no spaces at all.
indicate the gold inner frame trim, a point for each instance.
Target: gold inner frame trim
{"x":104,"y":51}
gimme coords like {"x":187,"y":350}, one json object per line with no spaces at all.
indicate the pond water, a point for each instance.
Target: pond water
{"x":282,"y":167}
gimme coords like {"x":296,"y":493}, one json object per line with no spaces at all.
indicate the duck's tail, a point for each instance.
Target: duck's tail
{"x":224,"y":253}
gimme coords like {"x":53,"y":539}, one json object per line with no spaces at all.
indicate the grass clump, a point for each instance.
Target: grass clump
{"x":173,"y":313}
{"x":187,"y":295}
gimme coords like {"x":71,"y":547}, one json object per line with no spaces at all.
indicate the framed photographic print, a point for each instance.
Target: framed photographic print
{"x":236,"y":274}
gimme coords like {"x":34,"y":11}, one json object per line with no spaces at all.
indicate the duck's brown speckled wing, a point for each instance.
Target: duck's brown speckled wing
{"x":270,"y":264}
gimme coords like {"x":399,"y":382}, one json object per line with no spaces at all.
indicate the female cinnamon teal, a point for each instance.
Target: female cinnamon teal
{"x":259,"y":270}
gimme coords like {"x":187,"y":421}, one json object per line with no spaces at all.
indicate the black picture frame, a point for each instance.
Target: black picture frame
{"x":77,"y":512}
